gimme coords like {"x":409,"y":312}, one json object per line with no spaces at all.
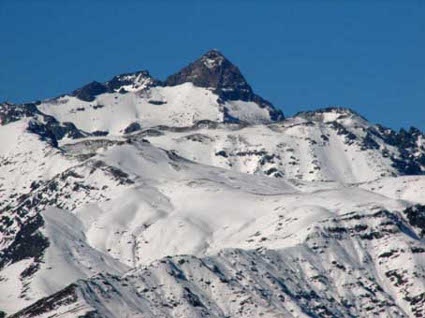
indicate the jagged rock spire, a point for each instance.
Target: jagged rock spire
{"x":214,"y":70}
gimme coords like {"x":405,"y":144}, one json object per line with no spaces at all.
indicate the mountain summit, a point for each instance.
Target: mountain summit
{"x":214,"y":70}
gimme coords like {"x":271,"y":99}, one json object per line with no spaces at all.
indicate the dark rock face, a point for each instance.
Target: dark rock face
{"x":28,"y":243}
{"x":64,"y":297}
{"x":89,"y":92}
{"x":213,"y":70}
{"x":11,"y":112}
{"x":99,"y":133}
{"x":412,"y":156}
{"x":60,"y":130}
{"x":416,"y":217}
{"x":42,"y":130}
{"x":403,"y":139}
{"x":51,"y":130}
{"x":132,"y":128}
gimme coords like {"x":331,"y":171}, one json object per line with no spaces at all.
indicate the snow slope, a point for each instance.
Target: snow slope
{"x":68,"y":258}
{"x":170,"y":209}
{"x":113,"y":112}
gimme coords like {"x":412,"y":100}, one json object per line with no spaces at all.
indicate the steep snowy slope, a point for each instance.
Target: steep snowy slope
{"x":35,"y":176}
{"x":67,"y":258}
{"x":358,"y":265}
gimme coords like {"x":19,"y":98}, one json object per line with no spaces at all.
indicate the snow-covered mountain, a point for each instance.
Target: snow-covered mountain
{"x":211,"y":88}
{"x":195,"y":197}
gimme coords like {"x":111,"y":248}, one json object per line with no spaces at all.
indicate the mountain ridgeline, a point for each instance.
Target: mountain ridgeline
{"x":195,"y":197}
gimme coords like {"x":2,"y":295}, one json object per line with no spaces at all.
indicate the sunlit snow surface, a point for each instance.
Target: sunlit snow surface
{"x":287,"y":219}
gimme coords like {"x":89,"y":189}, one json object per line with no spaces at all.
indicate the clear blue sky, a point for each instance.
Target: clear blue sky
{"x":368,"y":55}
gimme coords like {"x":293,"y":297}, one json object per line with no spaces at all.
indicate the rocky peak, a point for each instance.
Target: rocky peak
{"x":90,"y":91}
{"x":121,"y":83}
{"x":131,"y":81}
{"x":214,"y":70}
